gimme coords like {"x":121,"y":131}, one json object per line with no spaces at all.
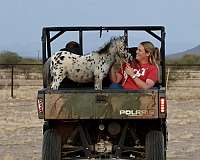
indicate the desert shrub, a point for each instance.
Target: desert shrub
{"x":189,"y":59}
{"x":8,"y":57}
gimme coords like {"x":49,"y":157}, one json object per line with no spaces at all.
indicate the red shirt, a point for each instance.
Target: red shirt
{"x":143,"y":72}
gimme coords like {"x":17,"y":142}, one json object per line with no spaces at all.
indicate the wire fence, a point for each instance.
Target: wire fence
{"x":183,"y":76}
{"x":15,"y":76}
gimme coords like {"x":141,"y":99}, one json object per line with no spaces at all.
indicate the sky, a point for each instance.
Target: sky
{"x":21,"y":21}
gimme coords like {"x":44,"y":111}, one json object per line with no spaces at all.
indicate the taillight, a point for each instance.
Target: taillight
{"x":40,"y":105}
{"x":162,"y":104}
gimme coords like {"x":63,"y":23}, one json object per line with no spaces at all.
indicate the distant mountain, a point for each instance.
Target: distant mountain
{"x":192,"y":51}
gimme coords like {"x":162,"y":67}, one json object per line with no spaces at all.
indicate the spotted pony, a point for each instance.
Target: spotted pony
{"x":86,"y":68}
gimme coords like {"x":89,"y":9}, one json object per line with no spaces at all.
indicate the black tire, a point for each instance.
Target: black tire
{"x":45,"y":127}
{"x":154,"y":146}
{"x":51,"y":149}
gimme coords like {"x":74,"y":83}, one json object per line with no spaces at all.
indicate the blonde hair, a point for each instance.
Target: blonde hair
{"x":154,"y":57}
{"x":154,"y":52}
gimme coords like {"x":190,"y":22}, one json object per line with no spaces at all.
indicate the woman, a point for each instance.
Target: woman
{"x":141,"y":73}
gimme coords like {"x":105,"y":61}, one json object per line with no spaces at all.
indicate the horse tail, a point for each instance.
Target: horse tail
{"x":46,"y":74}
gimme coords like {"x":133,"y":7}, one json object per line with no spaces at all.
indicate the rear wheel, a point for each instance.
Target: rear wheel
{"x":154,"y":146}
{"x":51,"y":149}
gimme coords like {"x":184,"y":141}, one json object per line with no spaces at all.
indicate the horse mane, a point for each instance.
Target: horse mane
{"x":106,"y":46}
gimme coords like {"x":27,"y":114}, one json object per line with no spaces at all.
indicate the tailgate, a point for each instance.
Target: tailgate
{"x":109,"y":104}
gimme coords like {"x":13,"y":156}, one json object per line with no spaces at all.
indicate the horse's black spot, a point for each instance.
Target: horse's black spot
{"x":90,"y":60}
{"x":59,"y":54}
{"x":59,"y":62}
{"x":52,"y":63}
{"x":77,"y":70}
{"x":55,"y":58}
{"x":62,"y":58}
{"x":55,"y":66}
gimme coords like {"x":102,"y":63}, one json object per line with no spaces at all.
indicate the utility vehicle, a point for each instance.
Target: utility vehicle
{"x":83,"y":123}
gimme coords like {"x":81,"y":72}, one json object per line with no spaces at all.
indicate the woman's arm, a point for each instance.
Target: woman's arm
{"x":114,"y":76}
{"x":144,"y":85}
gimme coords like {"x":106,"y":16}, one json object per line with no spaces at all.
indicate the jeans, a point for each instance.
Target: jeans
{"x":115,"y":86}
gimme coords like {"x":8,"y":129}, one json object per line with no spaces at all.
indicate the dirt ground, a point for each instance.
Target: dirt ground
{"x":21,"y":130}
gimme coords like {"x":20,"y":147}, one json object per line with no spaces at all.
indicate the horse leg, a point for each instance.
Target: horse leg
{"x":55,"y":84}
{"x":98,"y":83}
{"x":57,"y":78}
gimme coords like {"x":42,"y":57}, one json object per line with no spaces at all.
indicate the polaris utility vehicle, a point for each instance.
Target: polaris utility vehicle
{"x":83,"y":123}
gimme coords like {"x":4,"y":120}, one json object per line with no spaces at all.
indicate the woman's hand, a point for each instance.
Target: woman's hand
{"x":129,"y":71}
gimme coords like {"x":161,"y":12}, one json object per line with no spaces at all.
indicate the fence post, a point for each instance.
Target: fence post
{"x":12,"y":71}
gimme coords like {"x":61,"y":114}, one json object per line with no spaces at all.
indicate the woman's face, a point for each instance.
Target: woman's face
{"x":141,"y":54}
